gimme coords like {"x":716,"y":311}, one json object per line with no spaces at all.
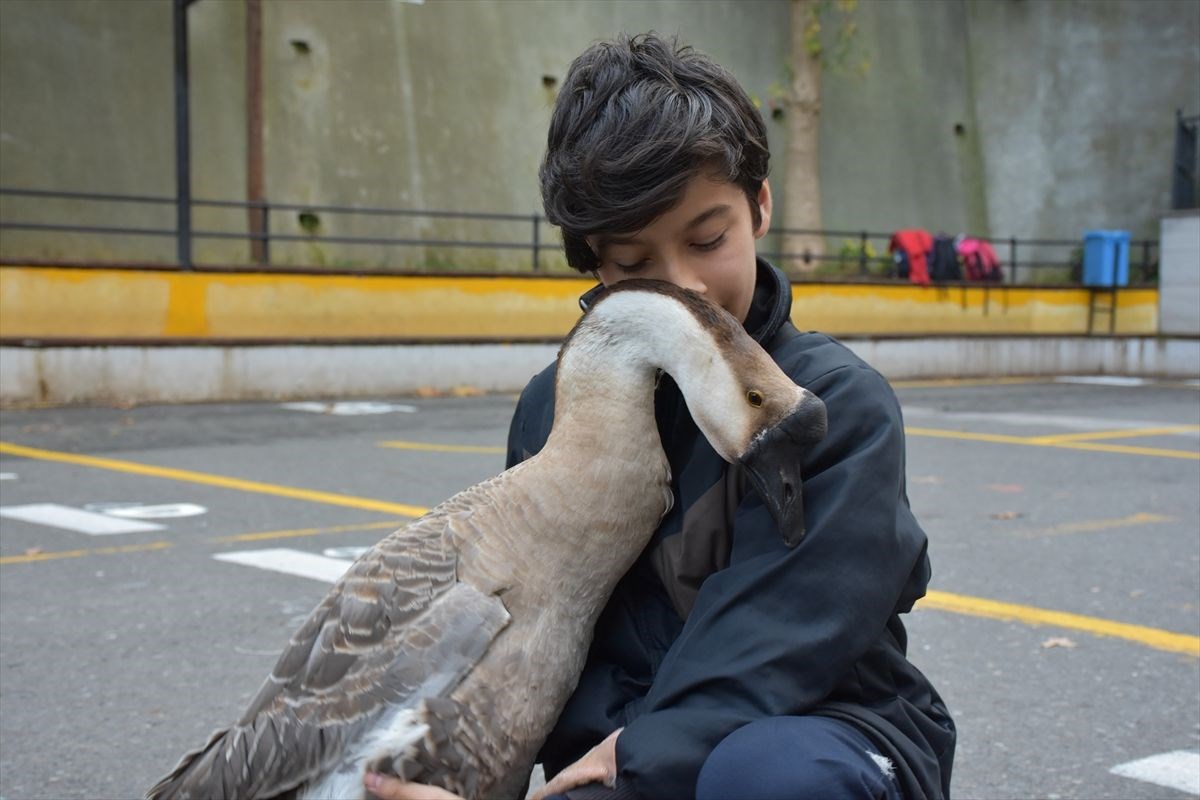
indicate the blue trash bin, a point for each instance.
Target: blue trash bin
{"x":1106,"y":258}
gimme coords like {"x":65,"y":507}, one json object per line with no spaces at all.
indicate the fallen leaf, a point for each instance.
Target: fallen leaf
{"x":1058,"y":641}
{"x":1006,"y":488}
{"x":33,"y":551}
{"x":925,"y":480}
{"x":467,"y":391}
{"x":427,"y":391}
{"x":1005,"y":515}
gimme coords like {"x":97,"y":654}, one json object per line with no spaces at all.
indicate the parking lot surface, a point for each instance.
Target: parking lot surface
{"x":154,"y":560}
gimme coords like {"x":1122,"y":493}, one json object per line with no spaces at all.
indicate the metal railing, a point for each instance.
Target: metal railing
{"x":850,"y":255}
{"x":859,"y":258}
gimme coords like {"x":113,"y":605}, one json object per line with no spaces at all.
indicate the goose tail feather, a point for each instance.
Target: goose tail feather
{"x":181,"y":783}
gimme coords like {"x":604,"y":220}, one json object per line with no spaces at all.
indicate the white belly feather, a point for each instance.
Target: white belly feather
{"x":395,"y":732}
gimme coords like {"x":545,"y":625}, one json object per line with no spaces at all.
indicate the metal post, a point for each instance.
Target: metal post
{"x":266,"y":233}
{"x":862,"y":253}
{"x":254,"y":132}
{"x":536,"y":221}
{"x":1012,"y":254}
{"x":183,"y":174}
{"x":1183,"y":176}
{"x":1145,"y":259}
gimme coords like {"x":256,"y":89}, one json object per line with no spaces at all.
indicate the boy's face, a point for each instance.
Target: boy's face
{"x":705,"y":243}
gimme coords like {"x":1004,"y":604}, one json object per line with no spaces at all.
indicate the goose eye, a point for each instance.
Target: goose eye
{"x":754,"y":397}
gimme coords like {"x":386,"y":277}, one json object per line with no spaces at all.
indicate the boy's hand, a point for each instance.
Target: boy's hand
{"x":598,"y":765}
{"x":386,"y":787}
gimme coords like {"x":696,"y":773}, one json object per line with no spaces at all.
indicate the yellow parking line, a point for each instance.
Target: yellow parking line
{"x":298,"y":532}
{"x":1092,"y":525}
{"x":1122,"y":433}
{"x":442,"y":448}
{"x":937,"y":382}
{"x":993,"y":609}
{"x":207,"y":479}
{"x":1160,"y":452}
{"x":92,"y":551}
{"x":1034,"y":441}
{"x":242,"y":537}
{"x":939,"y":433}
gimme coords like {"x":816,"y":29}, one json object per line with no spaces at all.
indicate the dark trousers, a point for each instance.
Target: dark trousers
{"x":786,"y":758}
{"x":793,"y":758}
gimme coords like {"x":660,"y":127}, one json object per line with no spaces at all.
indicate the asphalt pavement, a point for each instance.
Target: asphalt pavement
{"x":154,"y":560}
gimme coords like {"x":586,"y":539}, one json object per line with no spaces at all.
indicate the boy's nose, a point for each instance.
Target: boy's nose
{"x":685,"y":277}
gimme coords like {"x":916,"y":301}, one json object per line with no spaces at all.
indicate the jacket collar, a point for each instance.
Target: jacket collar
{"x":770,"y":308}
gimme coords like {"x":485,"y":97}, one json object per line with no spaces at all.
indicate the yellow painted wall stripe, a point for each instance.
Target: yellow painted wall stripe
{"x":41,"y":303}
{"x":1000,"y":438}
{"x":30,"y":558}
{"x":1121,"y":433}
{"x":208,"y":479}
{"x":441,"y":448}
{"x":994,"y":609}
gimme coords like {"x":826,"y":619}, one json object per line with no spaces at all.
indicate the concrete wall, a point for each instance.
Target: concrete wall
{"x":61,"y":375}
{"x":1006,"y":117}
{"x":1066,"y":111}
{"x":1179,"y":275}
{"x":440,"y":105}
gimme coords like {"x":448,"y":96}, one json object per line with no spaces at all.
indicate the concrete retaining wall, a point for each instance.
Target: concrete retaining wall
{"x":64,"y":375}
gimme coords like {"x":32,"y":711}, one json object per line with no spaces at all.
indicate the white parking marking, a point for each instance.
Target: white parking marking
{"x":167,"y":511}
{"x":1179,"y":769}
{"x":344,"y":552}
{"x":349,"y":409}
{"x":74,"y":519}
{"x":290,"y":562}
{"x":8,"y":476}
{"x":1102,"y":380}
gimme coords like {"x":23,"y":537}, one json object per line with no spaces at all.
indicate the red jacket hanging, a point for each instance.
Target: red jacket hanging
{"x":916,"y":244}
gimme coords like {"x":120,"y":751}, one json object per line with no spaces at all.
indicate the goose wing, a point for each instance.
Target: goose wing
{"x":394,"y":628}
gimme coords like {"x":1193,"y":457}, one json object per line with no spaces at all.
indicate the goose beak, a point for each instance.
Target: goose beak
{"x":773,"y":465}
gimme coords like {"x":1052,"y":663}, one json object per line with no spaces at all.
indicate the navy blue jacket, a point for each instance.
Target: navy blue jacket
{"x":719,"y":623}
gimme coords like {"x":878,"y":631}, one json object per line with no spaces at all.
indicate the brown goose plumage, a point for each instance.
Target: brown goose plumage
{"x":447,"y":651}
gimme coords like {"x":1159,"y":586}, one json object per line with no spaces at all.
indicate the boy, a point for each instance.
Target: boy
{"x":730,"y":662}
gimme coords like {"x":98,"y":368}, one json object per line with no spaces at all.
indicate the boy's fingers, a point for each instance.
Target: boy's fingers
{"x":572,"y":776}
{"x":386,"y":787}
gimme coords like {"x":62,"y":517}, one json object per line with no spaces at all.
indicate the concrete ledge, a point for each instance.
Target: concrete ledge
{"x":123,"y":374}
{"x":982,"y":357}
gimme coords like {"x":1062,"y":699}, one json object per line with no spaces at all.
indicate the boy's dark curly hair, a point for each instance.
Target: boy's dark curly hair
{"x":635,"y":120}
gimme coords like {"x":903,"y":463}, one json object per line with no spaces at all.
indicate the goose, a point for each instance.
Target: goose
{"x":447,"y":651}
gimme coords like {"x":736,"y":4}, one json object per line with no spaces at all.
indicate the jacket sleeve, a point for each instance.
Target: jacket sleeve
{"x":773,"y":632}
{"x":532,"y":418}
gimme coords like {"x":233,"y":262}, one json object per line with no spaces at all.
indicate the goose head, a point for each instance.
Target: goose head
{"x":750,"y":411}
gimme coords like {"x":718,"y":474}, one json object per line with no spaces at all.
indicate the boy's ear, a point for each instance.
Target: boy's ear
{"x":764,"y":210}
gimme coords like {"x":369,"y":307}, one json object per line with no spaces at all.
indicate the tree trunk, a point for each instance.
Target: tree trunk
{"x":802,"y":183}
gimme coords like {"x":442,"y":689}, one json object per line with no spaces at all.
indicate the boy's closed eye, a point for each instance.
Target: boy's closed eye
{"x":629,"y":268}
{"x":706,"y":246}
{"x":711,"y":244}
